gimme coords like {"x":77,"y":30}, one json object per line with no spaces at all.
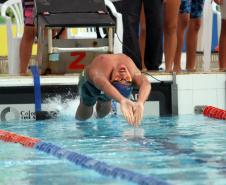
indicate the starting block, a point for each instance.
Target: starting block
{"x":70,"y":55}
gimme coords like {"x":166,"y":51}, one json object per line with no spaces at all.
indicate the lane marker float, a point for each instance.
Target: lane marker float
{"x":80,"y":159}
{"x":211,"y":112}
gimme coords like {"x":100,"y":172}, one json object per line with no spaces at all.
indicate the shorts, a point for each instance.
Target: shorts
{"x":89,"y":94}
{"x":193,"y":7}
{"x":28,"y":8}
{"x":223,"y":11}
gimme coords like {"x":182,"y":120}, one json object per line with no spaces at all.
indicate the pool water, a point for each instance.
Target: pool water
{"x":184,"y":150}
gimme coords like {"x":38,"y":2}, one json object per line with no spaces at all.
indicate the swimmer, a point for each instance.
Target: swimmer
{"x":112,"y":76}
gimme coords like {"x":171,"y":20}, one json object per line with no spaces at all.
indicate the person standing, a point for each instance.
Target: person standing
{"x":222,"y":44}
{"x":142,"y":37}
{"x":171,"y":11}
{"x":190,"y":18}
{"x":28,"y":35}
{"x":154,"y":31}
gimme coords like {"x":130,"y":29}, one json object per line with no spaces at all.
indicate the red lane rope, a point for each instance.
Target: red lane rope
{"x":81,"y":160}
{"x":12,"y":137}
{"x":214,"y":112}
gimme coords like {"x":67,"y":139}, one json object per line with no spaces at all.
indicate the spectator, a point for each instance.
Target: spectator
{"x":28,"y":35}
{"x":142,"y":37}
{"x":222,"y":44}
{"x":153,"y":45}
{"x":190,"y":16}
{"x":171,"y":11}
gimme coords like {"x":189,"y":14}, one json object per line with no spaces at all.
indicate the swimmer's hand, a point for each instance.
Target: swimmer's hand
{"x":138,"y":112}
{"x":127,"y":110}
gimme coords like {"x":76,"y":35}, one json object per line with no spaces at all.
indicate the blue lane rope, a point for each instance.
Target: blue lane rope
{"x":37,"y":87}
{"x":79,"y":159}
{"x":98,"y":166}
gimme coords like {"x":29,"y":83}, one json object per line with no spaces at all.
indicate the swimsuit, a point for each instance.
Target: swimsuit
{"x":28,"y":7}
{"x":193,"y":7}
{"x":89,"y":94}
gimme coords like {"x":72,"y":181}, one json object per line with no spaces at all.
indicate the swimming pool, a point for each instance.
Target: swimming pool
{"x":176,"y":150}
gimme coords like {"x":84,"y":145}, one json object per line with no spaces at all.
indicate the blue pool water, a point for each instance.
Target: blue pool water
{"x":184,"y":150}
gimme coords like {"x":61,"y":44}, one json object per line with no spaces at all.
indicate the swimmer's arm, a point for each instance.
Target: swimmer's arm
{"x":144,"y":86}
{"x":141,"y":81}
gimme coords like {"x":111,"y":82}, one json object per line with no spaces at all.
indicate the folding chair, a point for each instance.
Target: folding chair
{"x":90,"y":33}
{"x":13,"y":41}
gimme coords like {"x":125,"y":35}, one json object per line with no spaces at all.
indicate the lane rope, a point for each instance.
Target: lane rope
{"x":80,"y":159}
{"x":214,"y":112}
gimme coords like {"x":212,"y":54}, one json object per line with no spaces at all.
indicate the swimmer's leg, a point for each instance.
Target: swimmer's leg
{"x":103,"y":108}
{"x":83,"y":112}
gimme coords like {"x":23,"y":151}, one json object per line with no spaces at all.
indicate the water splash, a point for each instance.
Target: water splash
{"x":65,"y":107}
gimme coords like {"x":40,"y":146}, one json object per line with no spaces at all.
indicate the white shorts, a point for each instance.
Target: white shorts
{"x":223,"y":10}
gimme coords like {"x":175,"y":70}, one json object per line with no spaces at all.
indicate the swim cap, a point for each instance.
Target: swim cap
{"x":125,"y":90}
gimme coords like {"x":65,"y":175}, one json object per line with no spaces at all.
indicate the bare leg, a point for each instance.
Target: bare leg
{"x":103,"y":108}
{"x":222,"y":56}
{"x":170,"y":32}
{"x":182,"y":25}
{"x":26,"y":48}
{"x":192,"y":37}
{"x":83,"y":112}
{"x":142,"y":36}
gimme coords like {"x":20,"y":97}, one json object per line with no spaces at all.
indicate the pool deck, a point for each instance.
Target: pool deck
{"x":187,"y":89}
{"x":72,"y":78}
{"x":67,"y":79}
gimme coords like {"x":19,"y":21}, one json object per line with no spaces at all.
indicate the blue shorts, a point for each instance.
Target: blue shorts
{"x":89,"y":94}
{"x":193,"y":7}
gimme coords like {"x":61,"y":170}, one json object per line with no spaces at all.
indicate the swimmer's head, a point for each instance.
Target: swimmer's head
{"x":121,"y":80}
{"x":125,"y":90}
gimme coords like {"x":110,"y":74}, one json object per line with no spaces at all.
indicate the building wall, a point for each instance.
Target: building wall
{"x":200,"y":89}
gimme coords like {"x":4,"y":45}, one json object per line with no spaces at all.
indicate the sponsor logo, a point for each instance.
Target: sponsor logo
{"x":134,"y":96}
{"x":27,"y":115}
{"x":11,"y":113}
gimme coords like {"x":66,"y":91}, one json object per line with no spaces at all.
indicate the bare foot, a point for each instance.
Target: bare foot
{"x":191,"y":70}
{"x":144,"y":70}
{"x":222,"y":69}
{"x":169,"y":71}
{"x":177,"y":69}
